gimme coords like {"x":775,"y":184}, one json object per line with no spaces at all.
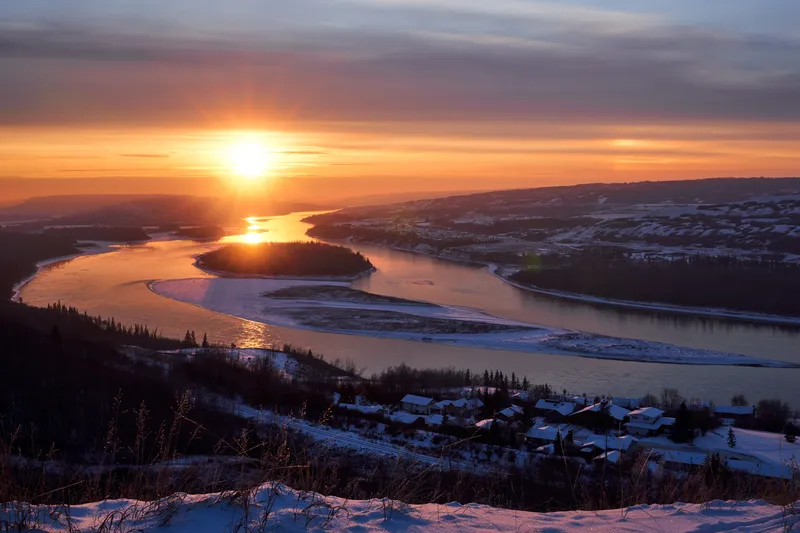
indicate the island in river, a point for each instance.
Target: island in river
{"x":286,"y":259}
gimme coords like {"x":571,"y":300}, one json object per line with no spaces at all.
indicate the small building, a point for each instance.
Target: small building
{"x":462,"y":407}
{"x":409,"y":419}
{"x":543,"y":435}
{"x":555,"y":411}
{"x":648,"y":421}
{"x":613,"y":457}
{"x":513,"y":412}
{"x":624,"y":443}
{"x":731,"y":413}
{"x":417,"y":404}
{"x":600,"y":415}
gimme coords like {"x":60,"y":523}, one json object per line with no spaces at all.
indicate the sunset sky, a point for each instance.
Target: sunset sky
{"x":386,"y":95}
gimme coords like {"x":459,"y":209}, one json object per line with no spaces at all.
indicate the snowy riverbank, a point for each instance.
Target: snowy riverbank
{"x":244,"y":298}
{"x":276,"y":507}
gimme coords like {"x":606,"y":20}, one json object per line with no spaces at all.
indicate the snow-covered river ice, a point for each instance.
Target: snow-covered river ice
{"x":118,"y":284}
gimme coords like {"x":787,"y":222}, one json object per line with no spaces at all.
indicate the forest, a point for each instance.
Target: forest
{"x":286,"y":259}
{"x":723,"y":282}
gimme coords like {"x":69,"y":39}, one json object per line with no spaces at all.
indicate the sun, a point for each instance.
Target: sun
{"x":250,"y":158}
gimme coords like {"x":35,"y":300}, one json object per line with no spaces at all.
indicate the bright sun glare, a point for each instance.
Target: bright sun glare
{"x":250,"y":158}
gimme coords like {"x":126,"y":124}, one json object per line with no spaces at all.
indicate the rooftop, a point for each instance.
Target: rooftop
{"x":416,"y":400}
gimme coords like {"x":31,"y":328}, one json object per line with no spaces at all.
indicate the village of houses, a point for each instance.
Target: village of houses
{"x":607,"y":432}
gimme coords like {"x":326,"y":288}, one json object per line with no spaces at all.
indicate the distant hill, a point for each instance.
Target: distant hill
{"x":572,"y":200}
{"x":139,"y":210}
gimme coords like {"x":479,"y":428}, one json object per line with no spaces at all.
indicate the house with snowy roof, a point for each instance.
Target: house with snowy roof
{"x":554,"y":411}
{"x":648,"y":421}
{"x":624,"y":443}
{"x":543,"y":435}
{"x":462,"y":407}
{"x":601,"y":415}
{"x":731,"y":413}
{"x":513,"y":412}
{"x":416,"y":404}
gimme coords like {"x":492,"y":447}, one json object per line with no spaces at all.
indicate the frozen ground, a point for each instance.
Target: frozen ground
{"x":243,"y":297}
{"x":275,"y":507}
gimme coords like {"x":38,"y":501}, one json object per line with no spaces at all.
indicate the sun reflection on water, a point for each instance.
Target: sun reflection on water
{"x":272,"y":229}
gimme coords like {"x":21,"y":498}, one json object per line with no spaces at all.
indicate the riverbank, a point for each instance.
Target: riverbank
{"x":86,"y":247}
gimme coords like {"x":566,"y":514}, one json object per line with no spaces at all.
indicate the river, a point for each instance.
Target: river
{"x":115,"y":284}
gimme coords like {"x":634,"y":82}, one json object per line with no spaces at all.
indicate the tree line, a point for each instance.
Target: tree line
{"x":761,"y":286}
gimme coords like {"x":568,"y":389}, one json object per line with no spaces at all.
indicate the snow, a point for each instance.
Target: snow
{"x":292,"y":511}
{"x":242,"y":297}
{"x":757,"y":452}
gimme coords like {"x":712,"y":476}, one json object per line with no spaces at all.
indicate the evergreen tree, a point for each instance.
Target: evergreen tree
{"x":731,"y":438}
{"x":514,"y":384}
{"x":194,"y":339}
{"x":682,"y":429}
{"x":467,"y":377}
{"x":525,"y":383}
{"x":205,"y":341}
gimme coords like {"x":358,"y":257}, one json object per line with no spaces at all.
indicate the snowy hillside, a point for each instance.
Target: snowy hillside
{"x":278,"y":508}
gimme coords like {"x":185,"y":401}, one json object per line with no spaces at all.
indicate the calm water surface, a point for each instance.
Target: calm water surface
{"x":115,"y":284}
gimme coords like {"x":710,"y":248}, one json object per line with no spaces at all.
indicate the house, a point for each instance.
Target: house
{"x":402,"y":417}
{"x":623,"y":443}
{"x":554,"y":411}
{"x":648,"y":421}
{"x":445,"y":407}
{"x":731,"y":413}
{"x":613,"y":457}
{"x":601,"y":415}
{"x":416,"y":404}
{"x":511,"y":413}
{"x":463,"y":407}
{"x":543,"y":435}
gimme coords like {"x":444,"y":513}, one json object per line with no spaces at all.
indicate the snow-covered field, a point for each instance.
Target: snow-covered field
{"x":276,"y":507}
{"x":756,"y":452}
{"x":243,"y":298}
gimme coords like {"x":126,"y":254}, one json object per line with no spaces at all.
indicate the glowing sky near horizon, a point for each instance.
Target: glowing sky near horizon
{"x":491,"y":93}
